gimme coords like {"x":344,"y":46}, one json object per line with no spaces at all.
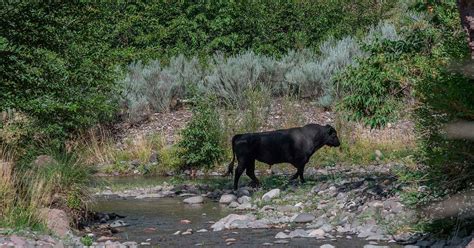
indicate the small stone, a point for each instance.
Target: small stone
{"x":245,"y":206}
{"x":187,"y":232}
{"x":177,"y":233}
{"x":299,"y":205}
{"x":298,"y":233}
{"x":244,"y":199}
{"x":142,"y":243}
{"x":327,"y":227}
{"x":378,"y":153}
{"x":317,"y":233}
{"x":393,"y":206}
{"x":194,"y":200}
{"x":234,"y":205}
{"x":304,"y":218}
{"x":230,"y":240}
{"x":201,"y":230}
{"x":227,"y":198}
{"x":271,"y":194}
{"x":281,"y":235}
{"x":281,"y":242}
{"x":375,"y":246}
{"x":185,"y":222}
{"x":327,"y":246}
{"x":267,"y":244}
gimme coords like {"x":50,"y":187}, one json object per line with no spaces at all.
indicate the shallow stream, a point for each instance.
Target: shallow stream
{"x":156,"y":220}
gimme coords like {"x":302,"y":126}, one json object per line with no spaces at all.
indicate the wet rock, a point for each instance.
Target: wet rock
{"x":118,"y":223}
{"x":327,"y":246}
{"x":194,"y":200}
{"x":258,"y":224}
{"x":244,"y":199}
{"x":239,"y":224}
{"x":282,"y":235}
{"x":227,"y":198}
{"x":271,"y":194}
{"x":298,"y":233}
{"x":317,"y":233}
{"x":377,"y":237}
{"x":304,"y":218}
{"x":226,"y":222}
{"x":56,"y":220}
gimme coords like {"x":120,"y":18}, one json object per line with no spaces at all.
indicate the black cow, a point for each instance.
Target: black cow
{"x":294,"y":146}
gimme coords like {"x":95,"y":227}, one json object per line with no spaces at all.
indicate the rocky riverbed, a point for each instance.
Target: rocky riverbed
{"x":335,"y":204}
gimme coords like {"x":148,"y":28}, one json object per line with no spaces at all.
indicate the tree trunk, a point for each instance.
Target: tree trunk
{"x":466,"y":10}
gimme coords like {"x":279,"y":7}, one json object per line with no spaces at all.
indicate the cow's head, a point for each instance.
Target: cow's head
{"x":331,"y":138}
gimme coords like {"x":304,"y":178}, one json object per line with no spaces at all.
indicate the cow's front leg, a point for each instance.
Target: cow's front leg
{"x":250,"y":171}
{"x":238,"y":172}
{"x":301,"y":172}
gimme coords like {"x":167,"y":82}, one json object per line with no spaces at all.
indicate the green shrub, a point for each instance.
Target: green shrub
{"x":170,"y":160}
{"x":200,"y":142}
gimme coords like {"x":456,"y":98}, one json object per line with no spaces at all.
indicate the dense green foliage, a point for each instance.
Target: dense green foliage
{"x":200,"y":142}
{"x":55,"y":66}
{"x":445,"y":96}
{"x":161,"y":30}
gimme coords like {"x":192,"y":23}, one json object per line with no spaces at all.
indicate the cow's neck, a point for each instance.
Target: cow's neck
{"x":316,"y":146}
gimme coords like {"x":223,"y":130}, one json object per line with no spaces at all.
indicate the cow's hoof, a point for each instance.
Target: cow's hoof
{"x":254,"y":184}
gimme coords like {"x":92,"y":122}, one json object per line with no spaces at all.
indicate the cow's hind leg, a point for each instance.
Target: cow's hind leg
{"x":238,"y":172}
{"x":250,"y":171}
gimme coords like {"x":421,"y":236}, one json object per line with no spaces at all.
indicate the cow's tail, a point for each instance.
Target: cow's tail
{"x":230,"y":167}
